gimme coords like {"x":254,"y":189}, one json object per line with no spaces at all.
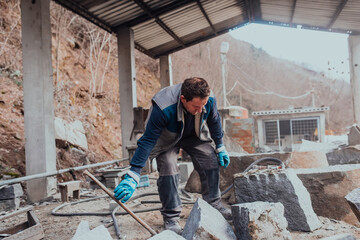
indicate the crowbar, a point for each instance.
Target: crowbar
{"x":120,"y":203}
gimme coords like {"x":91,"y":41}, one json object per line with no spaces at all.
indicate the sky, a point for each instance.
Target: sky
{"x":321,"y":51}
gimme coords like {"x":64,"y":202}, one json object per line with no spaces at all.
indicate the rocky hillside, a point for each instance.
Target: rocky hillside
{"x":86,"y":83}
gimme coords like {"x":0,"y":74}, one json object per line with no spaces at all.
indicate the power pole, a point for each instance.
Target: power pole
{"x":224,"y":48}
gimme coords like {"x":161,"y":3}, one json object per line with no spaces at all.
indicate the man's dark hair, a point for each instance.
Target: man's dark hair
{"x":195,"y":87}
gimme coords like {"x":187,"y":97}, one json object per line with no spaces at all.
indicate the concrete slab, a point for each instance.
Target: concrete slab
{"x":279,"y":186}
{"x":205,"y":222}
{"x":166,"y":235}
{"x":260,"y":220}
{"x":328,"y":187}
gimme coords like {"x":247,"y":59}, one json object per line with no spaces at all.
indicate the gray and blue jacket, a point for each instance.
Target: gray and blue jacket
{"x":165,"y":125}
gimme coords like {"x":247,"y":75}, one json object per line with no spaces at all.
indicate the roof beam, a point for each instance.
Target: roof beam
{"x":248,"y":11}
{"x":337,"y":13}
{"x":206,"y":16}
{"x":78,"y":9}
{"x":147,"y":10}
{"x":143,"y":50}
{"x":253,"y":10}
{"x":226,"y":30}
{"x":293,"y":12}
{"x":157,"y":12}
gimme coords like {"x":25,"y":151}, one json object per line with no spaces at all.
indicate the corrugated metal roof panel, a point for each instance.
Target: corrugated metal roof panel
{"x":221,"y":12}
{"x":349,"y":18}
{"x":150,"y":35}
{"x":315,"y":13}
{"x":278,"y":10}
{"x":186,"y":20}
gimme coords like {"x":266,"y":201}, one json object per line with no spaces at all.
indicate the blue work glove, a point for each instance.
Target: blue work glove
{"x":223,"y":156}
{"x":127,"y":186}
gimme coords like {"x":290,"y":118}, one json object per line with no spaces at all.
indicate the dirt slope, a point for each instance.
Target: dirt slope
{"x":86,"y":85}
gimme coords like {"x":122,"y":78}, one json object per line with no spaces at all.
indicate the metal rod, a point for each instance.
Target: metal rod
{"x":120,"y":203}
{"x":52,"y":173}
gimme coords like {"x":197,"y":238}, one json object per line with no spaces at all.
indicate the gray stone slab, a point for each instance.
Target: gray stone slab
{"x":344,"y":236}
{"x":98,"y":233}
{"x":83,"y":228}
{"x":11,"y":191}
{"x":346,"y":155}
{"x":9,"y":204}
{"x":279,"y":186}
{"x":205,"y":222}
{"x":167,"y":235}
{"x":353,"y":199}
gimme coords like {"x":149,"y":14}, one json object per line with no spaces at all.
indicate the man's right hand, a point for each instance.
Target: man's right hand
{"x":127,"y":186}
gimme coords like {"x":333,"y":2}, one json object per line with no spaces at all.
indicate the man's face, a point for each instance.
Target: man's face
{"x":194,"y":106}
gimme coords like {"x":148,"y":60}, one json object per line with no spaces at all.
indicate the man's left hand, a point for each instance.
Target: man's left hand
{"x":223,"y":156}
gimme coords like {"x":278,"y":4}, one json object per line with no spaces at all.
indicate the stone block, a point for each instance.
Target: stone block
{"x":9,"y":204}
{"x":353,"y":198}
{"x":343,"y":236}
{"x":166,"y":235}
{"x":11,"y":191}
{"x":205,"y":222}
{"x":354,"y":135}
{"x":185,"y":168}
{"x":237,"y":165}
{"x":313,"y":159}
{"x":346,"y":155}
{"x":72,"y":132}
{"x":112,"y":182}
{"x":279,"y":186}
{"x":260,"y":220}
{"x":328,"y":187}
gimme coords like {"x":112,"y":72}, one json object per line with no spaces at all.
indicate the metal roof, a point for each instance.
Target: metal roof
{"x":291,"y":111}
{"x":162,"y":27}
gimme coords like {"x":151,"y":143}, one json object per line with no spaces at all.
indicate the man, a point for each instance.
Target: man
{"x":182,"y":116}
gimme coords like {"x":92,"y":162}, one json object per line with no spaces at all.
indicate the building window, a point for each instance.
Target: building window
{"x":271,"y":132}
{"x":283,"y":134}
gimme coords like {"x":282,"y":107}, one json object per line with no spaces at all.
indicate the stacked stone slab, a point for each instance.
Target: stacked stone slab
{"x":205,"y":222}
{"x":10,"y":197}
{"x":167,"y":235}
{"x":279,"y":186}
{"x":353,"y":199}
{"x":260,"y":220}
